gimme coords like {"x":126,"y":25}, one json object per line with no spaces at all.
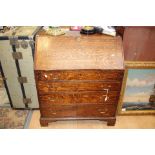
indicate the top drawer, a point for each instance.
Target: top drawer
{"x":79,"y":75}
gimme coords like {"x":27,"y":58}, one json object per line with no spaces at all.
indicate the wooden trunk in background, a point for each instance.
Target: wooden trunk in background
{"x":16,"y":57}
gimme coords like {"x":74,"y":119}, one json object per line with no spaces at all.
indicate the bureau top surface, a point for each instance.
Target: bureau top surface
{"x":75,"y":51}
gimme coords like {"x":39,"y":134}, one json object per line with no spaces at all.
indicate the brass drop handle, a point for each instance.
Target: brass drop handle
{"x":106,"y":96}
{"x":54,"y":78}
{"x":107,"y":90}
{"x":102,"y":112}
{"x":46,"y":76}
{"x":51,"y":99}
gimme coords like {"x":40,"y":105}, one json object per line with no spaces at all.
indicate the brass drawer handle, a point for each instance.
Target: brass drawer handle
{"x":54,"y":113}
{"x":51,"y":99}
{"x":55,"y":78}
{"x":107,"y":91}
{"x":106,"y":96}
{"x":46,"y":76}
{"x":102,"y":112}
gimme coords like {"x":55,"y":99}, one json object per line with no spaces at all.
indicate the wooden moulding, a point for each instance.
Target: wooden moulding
{"x":80,"y":74}
{"x":45,"y":121}
{"x":133,"y":65}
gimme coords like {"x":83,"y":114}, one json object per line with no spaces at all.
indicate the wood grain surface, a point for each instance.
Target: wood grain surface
{"x":78,"y":76}
{"x":77,"y":86}
{"x":79,"y":111}
{"x":84,"y":74}
{"x":139,"y":43}
{"x":78,"y":52}
{"x":65,"y":98}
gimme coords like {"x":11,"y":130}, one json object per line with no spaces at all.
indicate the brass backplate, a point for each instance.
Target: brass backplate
{"x":22,"y":79}
{"x":17,"y":55}
{"x":27,"y":100}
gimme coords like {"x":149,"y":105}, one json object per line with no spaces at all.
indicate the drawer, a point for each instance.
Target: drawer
{"x":67,"y":98}
{"x":96,"y":111}
{"x":79,"y":75}
{"x":88,"y":111}
{"x":47,"y":87}
{"x":59,"y":111}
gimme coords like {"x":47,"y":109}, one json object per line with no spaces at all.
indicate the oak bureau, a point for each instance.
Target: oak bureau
{"x":78,"y":77}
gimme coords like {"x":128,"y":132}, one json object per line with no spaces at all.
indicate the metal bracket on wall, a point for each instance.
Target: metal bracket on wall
{"x":17,"y":55}
{"x":22,"y":79}
{"x":31,"y":42}
{"x":32,"y":45}
{"x":14,"y":41}
{"x":4,"y":78}
{"x":27,"y":100}
{"x":24,"y":44}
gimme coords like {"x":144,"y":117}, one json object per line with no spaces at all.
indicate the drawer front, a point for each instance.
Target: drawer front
{"x":92,"y":97}
{"x":80,"y":75}
{"x":96,"y":111}
{"x":58,"y":111}
{"x":45,"y":87}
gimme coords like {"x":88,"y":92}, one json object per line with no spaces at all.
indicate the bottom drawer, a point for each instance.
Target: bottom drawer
{"x":96,"y":110}
{"x":60,"y":111}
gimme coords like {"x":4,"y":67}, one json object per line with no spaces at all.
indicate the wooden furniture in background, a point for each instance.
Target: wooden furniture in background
{"x":78,"y":76}
{"x":139,"y":44}
{"x":139,"y":53}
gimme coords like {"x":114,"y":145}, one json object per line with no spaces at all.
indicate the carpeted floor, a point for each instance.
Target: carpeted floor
{"x":13,"y":119}
{"x":4,"y":101}
{"x":122,"y":122}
